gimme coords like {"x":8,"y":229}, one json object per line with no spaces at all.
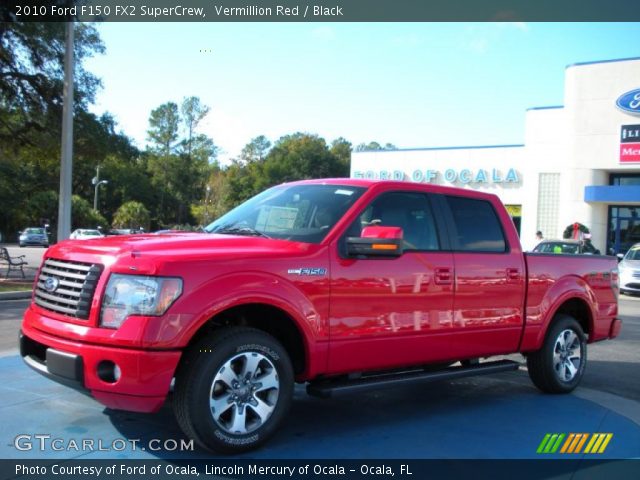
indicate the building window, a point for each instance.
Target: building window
{"x":548,"y":203}
{"x":619,"y":179}
{"x":624,"y":228}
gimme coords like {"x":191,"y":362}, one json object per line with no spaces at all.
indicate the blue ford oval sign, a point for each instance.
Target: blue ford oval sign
{"x":630,"y":102}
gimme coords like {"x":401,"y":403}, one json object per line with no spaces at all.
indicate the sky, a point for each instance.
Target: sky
{"x":411,"y":84}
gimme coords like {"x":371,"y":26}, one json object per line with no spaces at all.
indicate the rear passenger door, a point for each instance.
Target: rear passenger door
{"x":489,"y":278}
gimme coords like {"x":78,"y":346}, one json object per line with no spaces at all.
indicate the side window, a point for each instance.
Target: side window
{"x":478,"y":228}
{"x":410,"y":211}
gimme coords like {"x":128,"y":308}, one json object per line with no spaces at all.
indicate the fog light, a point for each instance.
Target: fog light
{"x":108,"y":371}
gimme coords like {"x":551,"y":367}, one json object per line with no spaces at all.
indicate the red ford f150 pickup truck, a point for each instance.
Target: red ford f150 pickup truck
{"x":342,"y":284}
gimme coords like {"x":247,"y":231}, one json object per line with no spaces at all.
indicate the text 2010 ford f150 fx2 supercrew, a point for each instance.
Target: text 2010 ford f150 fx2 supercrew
{"x":343,"y":284}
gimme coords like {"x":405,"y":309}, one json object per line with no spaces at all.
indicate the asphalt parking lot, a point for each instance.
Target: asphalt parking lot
{"x":499,"y":416}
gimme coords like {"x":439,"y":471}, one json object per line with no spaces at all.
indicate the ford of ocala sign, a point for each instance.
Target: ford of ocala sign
{"x":630,"y":102}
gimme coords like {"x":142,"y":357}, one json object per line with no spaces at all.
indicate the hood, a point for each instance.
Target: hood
{"x":634,"y":264}
{"x":175,"y":246}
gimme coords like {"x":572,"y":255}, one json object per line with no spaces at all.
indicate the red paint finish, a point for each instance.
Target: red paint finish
{"x":389,"y":312}
{"x":352,"y":314}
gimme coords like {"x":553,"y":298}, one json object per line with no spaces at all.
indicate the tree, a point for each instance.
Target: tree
{"x":83,"y":216}
{"x":341,"y":148}
{"x":132,"y":215}
{"x":256,"y":150}
{"x":179,"y":167}
{"x":31,"y":85}
{"x":374,"y":146}
{"x":31,"y":75}
{"x":192,"y":113}
{"x":164,"y":122}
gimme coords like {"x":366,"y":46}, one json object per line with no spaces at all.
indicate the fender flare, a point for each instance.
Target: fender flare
{"x":569,"y":287}
{"x":286,"y":297}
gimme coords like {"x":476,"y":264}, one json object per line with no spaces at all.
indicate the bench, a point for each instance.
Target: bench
{"x":13,"y":263}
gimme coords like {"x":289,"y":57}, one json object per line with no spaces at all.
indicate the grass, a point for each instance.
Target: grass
{"x":15,"y":287}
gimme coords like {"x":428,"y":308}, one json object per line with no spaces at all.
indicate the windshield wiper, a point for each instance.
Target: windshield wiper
{"x":243,"y":230}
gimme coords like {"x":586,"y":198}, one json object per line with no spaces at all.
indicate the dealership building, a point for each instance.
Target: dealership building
{"x":580,"y":162}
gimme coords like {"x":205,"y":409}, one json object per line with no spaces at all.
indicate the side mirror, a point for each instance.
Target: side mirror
{"x":620,"y":256}
{"x":376,"y":242}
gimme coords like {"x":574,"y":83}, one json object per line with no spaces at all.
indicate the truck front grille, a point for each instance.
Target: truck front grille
{"x":67,"y":287}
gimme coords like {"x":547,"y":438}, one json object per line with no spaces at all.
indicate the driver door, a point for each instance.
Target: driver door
{"x":392,"y":312}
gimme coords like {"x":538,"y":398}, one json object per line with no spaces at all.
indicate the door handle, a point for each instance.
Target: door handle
{"x":513,"y":273}
{"x":443,"y":276}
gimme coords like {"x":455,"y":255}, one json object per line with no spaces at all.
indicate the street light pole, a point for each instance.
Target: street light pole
{"x":206,"y":205}
{"x":64,"y":203}
{"x":97,"y":182}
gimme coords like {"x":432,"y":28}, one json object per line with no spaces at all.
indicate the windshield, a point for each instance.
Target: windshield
{"x":633,"y":254}
{"x":35,"y":231}
{"x":303,"y":213}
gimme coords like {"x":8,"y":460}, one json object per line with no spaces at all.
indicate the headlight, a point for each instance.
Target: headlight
{"x":137,"y":295}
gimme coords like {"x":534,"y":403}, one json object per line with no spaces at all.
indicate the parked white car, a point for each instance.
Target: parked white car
{"x":85,"y":234}
{"x":629,"y":269}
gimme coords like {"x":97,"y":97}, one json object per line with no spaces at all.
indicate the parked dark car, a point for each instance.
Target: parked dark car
{"x":575,"y":247}
{"x":34,"y":236}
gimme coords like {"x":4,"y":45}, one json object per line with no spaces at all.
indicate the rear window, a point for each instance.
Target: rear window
{"x":478,"y":228}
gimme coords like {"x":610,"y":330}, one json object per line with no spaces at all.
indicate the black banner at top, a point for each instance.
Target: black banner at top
{"x":321,"y":10}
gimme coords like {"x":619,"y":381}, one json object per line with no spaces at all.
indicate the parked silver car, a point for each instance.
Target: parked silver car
{"x":34,"y":236}
{"x":629,"y":268}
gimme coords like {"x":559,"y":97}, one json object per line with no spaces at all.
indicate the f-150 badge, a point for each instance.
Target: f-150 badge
{"x":307,"y":271}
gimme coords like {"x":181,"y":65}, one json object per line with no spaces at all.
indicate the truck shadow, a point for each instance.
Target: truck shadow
{"x":435,"y":420}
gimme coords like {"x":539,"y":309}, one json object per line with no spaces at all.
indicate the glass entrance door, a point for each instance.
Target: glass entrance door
{"x":624,"y":229}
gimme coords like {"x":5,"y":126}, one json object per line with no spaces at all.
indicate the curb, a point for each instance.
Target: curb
{"x":15,"y":295}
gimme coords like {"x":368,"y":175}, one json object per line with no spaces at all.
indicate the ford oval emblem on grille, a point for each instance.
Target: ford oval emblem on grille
{"x":51,"y":284}
{"x":630,"y":102}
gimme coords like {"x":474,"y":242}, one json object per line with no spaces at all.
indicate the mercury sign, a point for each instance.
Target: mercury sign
{"x":464,"y":176}
{"x":630,"y":102}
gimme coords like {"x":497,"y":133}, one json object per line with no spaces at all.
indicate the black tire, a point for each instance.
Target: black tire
{"x":200,"y":383}
{"x":550,"y":367}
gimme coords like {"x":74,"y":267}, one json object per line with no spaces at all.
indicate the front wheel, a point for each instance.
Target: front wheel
{"x":233,"y":390}
{"x":559,"y":365}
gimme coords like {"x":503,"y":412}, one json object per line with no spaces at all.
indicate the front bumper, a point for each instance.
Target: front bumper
{"x":142,"y":384}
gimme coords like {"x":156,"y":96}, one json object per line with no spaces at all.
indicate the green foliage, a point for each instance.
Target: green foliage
{"x":84,"y":216}
{"x":162,"y":186}
{"x":163,"y":128}
{"x":31,"y":75}
{"x":568,"y":232}
{"x":132,"y":215}
{"x":374,"y":146}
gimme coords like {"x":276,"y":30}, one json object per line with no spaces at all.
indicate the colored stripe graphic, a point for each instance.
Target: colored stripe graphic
{"x":591,"y":442}
{"x":584,"y":439}
{"x":558,"y":442}
{"x":568,"y":442}
{"x":606,"y":442}
{"x":573,"y":443}
{"x":543,"y":443}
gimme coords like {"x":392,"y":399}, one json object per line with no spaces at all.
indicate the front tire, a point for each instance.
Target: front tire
{"x":233,"y":390}
{"x":559,"y":365}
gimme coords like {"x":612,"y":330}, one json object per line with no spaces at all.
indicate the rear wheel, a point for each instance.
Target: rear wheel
{"x":559,"y":365}
{"x":233,"y":390}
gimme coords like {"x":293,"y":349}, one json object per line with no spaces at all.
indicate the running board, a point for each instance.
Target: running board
{"x":327,"y":388}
